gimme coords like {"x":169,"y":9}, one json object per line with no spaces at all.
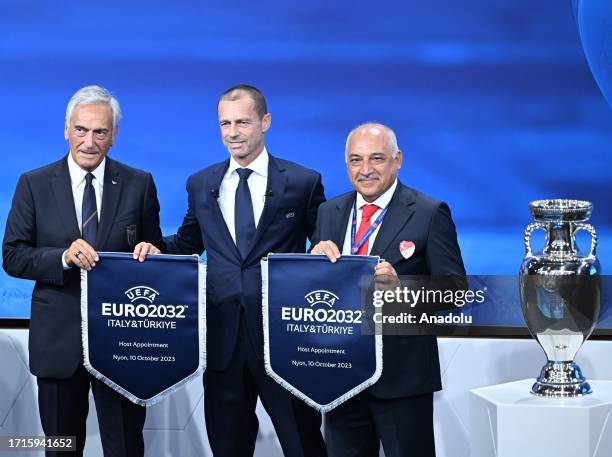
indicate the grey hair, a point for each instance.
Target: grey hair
{"x":91,"y":95}
{"x":391,"y":138}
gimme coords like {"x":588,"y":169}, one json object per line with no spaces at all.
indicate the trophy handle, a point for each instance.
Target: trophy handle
{"x":530,"y":228}
{"x":588,"y":228}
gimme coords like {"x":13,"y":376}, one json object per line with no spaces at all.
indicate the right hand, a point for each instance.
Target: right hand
{"x":142,"y":249}
{"x":327,"y":248}
{"x":81,"y":254}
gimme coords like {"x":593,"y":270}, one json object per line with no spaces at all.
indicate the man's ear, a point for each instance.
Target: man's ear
{"x":266,"y":122}
{"x":115,"y":133}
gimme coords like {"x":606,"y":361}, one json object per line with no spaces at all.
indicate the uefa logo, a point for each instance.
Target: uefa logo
{"x":324,"y":297}
{"x":141,"y":293}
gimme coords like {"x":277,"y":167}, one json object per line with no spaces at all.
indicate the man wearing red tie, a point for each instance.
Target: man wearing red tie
{"x":415,"y":235}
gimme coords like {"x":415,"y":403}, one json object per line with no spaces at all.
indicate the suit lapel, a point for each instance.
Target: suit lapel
{"x":341,"y":219}
{"x":398,"y":215}
{"x":277,"y":181}
{"x":113,"y":184}
{"x":218,"y":173}
{"x":62,"y":191}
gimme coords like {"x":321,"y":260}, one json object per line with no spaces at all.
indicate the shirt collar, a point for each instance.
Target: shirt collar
{"x":77,"y":174}
{"x":259,"y":165}
{"x":382,"y":201}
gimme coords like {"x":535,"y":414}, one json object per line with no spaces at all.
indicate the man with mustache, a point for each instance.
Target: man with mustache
{"x":239,"y":211}
{"x":61,"y":215}
{"x":416,"y":236}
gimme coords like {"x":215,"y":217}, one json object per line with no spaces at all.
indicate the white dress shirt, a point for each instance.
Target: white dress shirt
{"x":258,"y":183}
{"x":382,"y":202}
{"x":77,"y":181}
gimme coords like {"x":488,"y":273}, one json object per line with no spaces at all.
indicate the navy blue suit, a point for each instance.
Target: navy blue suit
{"x":235,"y":374}
{"x":398,"y":408}
{"x":41,"y":225}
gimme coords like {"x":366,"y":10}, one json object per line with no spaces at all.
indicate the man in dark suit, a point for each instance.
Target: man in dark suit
{"x":239,"y":211}
{"x":61,"y":214}
{"x":416,"y":236}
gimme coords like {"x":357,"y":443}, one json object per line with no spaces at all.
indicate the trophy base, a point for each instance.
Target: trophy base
{"x":561,"y":380}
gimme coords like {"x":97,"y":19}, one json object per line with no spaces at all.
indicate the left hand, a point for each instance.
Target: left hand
{"x":385,"y":276}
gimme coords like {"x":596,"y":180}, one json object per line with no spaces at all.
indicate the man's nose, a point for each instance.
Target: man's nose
{"x":88,"y":140}
{"x":365,"y":169}
{"x":233,"y":130}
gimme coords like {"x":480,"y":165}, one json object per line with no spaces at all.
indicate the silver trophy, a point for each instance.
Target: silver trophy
{"x":560,"y":293}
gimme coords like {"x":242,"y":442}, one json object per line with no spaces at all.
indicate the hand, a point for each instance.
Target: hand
{"x":327,"y":248}
{"x":142,"y":249}
{"x":81,"y":254}
{"x":385,"y":276}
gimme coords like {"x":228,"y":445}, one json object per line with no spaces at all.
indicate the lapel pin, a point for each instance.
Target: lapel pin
{"x":113,"y":181}
{"x":406,"y":249}
{"x":289,"y":215}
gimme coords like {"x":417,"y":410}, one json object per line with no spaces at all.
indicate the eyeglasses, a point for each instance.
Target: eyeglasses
{"x":99,"y":134}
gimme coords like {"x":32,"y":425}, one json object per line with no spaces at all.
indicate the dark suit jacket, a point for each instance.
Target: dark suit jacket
{"x":288,"y":218}
{"x":410,"y":363}
{"x":42,"y":224}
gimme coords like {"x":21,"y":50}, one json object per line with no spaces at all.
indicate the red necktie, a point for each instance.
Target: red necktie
{"x":367,"y":211}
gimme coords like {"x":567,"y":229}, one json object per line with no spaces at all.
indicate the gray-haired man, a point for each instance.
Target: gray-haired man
{"x":61,"y":215}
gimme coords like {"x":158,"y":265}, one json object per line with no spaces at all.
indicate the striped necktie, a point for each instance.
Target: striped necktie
{"x":89,"y":211}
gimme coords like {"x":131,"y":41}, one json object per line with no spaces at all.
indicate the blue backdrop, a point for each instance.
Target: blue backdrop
{"x":493,"y":101}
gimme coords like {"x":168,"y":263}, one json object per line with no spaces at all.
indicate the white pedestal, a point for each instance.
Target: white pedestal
{"x":508,"y":421}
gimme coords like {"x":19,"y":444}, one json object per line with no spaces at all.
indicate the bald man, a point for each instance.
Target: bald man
{"x":416,"y":236}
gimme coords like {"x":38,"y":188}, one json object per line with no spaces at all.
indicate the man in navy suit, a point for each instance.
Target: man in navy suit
{"x":239,"y":211}
{"x":416,"y":236}
{"x":61,"y":214}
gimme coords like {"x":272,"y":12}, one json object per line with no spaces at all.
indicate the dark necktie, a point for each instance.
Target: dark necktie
{"x":89,"y":211}
{"x":243,"y":213}
{"x":367,"y":211}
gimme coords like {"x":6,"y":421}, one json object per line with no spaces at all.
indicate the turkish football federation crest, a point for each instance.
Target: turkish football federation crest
{"x":407,"y":249}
